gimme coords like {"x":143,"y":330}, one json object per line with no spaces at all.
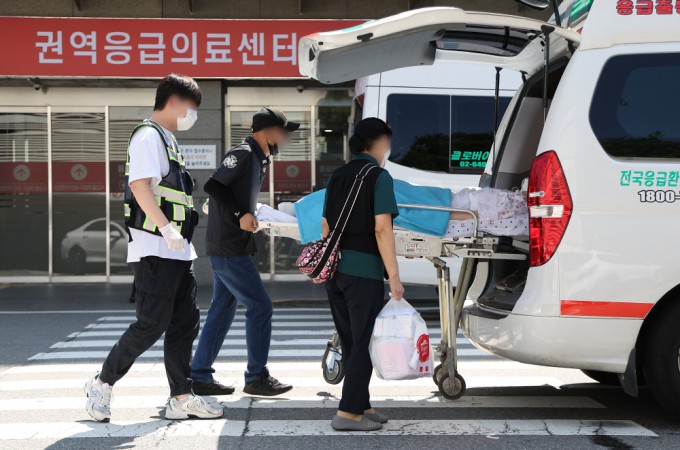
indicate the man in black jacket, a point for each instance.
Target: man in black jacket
{"x":233,"y":190}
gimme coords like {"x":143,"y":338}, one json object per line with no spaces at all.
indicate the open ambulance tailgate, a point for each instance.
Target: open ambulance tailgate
{"x":421,"y":36}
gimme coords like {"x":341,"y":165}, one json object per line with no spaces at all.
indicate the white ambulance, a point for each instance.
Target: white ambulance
{"x":596,"y":131}
{"x":442,"y":117}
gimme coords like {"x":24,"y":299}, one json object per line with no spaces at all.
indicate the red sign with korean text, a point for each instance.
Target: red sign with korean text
{"x":23,"y":178}
{"x":31,"y":177}
{"x":647,"y":7}
{"x":78,"y":176}
{"x":293,"y":176}
{"x":152,"y":48}
{"x":290,"y":176}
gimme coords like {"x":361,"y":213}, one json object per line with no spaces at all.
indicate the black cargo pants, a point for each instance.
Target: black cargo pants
{"x":165,"y":300}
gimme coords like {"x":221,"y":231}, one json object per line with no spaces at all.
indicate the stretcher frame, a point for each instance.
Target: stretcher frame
{"x":479,"y":246}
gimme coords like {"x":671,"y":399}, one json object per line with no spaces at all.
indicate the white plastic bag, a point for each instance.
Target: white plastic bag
{"x":400,"y":345}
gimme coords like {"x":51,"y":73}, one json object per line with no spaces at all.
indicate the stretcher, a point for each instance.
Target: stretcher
{"x":478,"y":246}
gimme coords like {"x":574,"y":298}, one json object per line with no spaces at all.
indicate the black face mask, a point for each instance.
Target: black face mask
{"x":273,"y":149}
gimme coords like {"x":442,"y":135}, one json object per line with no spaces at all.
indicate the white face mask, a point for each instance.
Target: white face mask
{"x":188,"y":121}
{"x":385,"y":158}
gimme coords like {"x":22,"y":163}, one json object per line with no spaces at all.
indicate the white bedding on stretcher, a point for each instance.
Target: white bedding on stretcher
{"x":501,"y":213}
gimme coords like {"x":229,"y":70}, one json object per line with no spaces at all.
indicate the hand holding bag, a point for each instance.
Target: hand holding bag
{"x":319,"y":259}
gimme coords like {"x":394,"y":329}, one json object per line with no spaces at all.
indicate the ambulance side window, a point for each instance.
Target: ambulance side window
{"x":421,"y":125}
{"x":442,"y":133}
{"x":635,"y":111}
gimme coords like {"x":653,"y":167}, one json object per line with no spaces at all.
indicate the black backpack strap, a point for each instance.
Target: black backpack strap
{"x":353,"y":195}
{"x":336,"y":234}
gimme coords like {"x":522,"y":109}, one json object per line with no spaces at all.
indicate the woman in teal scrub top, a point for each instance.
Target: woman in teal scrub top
{"x":357,"y":291}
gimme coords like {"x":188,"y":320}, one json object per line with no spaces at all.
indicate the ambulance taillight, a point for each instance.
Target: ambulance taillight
{"x":550,"y":207}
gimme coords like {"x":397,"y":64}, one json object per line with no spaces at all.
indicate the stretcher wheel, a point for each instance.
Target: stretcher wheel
{"x":455,"y":392}
{"x":438,"y":373}
{"x":336,"y":375}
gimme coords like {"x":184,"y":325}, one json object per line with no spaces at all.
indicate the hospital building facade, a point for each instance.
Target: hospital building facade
{"x":76,"y":76}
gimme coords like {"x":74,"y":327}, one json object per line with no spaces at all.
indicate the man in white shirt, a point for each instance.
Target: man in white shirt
{"x":161,"y":219}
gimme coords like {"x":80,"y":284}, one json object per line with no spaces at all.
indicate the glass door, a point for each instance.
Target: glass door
{"x":24,"y":203}
{"x":78,"y":184}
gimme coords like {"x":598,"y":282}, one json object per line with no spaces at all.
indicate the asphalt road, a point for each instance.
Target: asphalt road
{"x":46,"y":356}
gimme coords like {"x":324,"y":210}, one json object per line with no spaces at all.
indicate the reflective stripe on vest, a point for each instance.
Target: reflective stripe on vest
{"x":172,"y":196}
{"x":178,"y":213}
{"x":149,"y":225}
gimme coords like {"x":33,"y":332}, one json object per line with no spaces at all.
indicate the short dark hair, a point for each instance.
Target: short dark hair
{"x":366,"y":132}
{"x":175,"y":84}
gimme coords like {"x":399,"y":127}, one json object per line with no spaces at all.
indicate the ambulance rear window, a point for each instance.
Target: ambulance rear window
{"x":635,"y":111}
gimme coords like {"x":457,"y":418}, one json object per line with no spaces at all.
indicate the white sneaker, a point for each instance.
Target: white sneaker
{"x":192,"y":406}
{"x":98,"y":399}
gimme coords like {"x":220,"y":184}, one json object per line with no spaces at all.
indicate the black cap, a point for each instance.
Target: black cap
{"x":366,"y":132}
{"x":271,"y":117}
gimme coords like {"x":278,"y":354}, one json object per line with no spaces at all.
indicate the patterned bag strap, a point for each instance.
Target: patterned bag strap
{"x":345,"y":212}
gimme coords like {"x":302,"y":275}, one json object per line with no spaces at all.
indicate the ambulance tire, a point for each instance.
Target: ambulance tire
{"x":662,"y":360}
{"x":606,"y":378}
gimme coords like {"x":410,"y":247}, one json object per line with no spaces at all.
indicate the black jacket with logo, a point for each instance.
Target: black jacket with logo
{"x":233,"y":189}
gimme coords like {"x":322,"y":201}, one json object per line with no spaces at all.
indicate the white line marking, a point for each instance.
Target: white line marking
{"x":232,"y":332}
{"x":240,"y":402}
{"x":434,"y":337}
{"x":318,"y":343}
{"x":459,"y":427}
{"x":237,"y":367}
{"x":313,"y":381}
{"x":275,"y":324}
{"x":239,"y":317}
{"x":274,"y":353}
{"x":123,"y":311}
{"x":412,"y":401}
{"x":158,"y":429}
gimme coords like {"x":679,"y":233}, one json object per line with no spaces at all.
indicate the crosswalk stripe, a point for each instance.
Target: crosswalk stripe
{"x":302,"y":402}
{"x":277,"y":309}
{"x":318,"y":343}
{"x":274,"y":353}
{"x":550,"y":427}
{"x":158,"y":429}
{"x":297,"y":381}
{"x":412,"y":401}
{"x":277,"y":366}
{"x":434,"y":337}
{"x":275,"y":324}
{"x":232,"y":332}
{"x":241,"y":317}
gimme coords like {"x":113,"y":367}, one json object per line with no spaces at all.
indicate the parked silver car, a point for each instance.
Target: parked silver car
{"x":87,"y":244}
